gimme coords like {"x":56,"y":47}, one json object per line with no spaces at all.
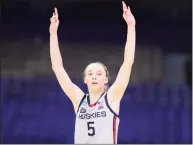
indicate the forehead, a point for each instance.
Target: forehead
{"x":95,"y":67}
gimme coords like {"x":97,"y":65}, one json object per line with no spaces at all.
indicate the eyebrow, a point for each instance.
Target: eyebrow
{"x":91,"y":71}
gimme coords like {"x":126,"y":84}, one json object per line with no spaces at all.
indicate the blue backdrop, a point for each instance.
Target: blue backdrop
{"x":37,"y":111}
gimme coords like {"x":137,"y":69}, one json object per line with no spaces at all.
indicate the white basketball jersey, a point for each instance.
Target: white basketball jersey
{"x":96,"y":123}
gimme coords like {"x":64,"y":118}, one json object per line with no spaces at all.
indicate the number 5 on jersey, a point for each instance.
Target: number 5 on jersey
{"x":91,"y":129}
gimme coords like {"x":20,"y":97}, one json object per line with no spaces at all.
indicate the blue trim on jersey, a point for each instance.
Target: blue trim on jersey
{"x":81,"y":101}
{"x":107,"y":103}
{"x":88,"y":99}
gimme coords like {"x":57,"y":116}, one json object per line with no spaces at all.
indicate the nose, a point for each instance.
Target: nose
{"x":94,"y":77}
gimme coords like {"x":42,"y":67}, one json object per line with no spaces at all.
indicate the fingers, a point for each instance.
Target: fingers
{"x":129,"y":10}
{"x":124,"y":6}
{"x":56,"y":12}
{"x":126,"y":9}
{"x":54,"y":17}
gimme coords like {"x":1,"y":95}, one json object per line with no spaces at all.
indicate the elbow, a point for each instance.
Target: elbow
{"x":128,"y":63}
{"x":129,"y":60}
{"x":55,"y":68}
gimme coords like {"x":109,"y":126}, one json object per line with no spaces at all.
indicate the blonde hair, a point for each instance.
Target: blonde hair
{"x":105,"y":68}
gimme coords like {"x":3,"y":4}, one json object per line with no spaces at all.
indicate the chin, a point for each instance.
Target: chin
{"x":95,"y":87}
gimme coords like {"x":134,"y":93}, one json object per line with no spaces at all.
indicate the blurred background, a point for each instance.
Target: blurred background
{"x":157,"y":105}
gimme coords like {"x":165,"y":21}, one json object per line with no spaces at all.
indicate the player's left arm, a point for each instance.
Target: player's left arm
{"x":116,"y":91}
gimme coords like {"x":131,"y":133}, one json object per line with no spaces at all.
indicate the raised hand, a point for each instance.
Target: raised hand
{"x":127,"y":15}
{"x":54,"y":22}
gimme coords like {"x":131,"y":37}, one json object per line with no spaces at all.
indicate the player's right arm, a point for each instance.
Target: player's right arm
{"x":74,"y":93}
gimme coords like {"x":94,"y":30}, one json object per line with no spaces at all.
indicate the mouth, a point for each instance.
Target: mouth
{"x":94,"y":83}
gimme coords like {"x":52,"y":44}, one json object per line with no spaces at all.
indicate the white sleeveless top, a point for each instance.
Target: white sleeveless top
{"x":96,"y":123}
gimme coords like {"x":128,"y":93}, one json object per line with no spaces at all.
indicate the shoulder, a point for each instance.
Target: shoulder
{"x":82,"y":101}
{"x":113,"y":105}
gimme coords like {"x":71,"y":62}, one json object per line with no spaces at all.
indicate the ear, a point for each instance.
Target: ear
{"x":106,"y":80}
{"x":85,"y":81}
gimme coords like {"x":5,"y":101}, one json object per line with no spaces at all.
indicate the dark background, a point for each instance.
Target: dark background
{"x":167,"y":23}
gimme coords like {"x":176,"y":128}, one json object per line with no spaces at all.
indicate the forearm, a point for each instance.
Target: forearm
{"x":130,"y":45}
{"x":55,"y":54}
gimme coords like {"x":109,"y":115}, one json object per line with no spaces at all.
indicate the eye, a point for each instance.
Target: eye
{"x":99,"y":74}
{"x":90,"y":74}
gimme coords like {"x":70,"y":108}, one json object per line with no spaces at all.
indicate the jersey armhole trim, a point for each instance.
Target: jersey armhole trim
{"x":80,"y":103}
{"x":107,"y":103}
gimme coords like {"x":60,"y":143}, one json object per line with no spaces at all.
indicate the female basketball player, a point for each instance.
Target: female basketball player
{"x":97,"y":112}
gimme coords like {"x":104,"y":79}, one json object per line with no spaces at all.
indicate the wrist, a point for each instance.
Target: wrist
{"x":131,"y":29}
{"x":53,"y":34}
{"x":129,"y":25}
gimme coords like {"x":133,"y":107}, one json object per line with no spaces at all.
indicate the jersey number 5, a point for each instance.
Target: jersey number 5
{"x":90,"y":127}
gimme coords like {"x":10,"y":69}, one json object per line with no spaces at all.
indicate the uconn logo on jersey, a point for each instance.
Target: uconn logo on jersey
{"x":85,"y":115}
{"x":99,"y":113}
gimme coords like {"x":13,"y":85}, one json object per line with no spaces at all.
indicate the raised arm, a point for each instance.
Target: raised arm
{"x":118,"y":88}
{"x":72,"y":91}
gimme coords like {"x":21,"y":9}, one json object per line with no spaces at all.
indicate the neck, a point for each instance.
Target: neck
{"x":94,"y":95}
